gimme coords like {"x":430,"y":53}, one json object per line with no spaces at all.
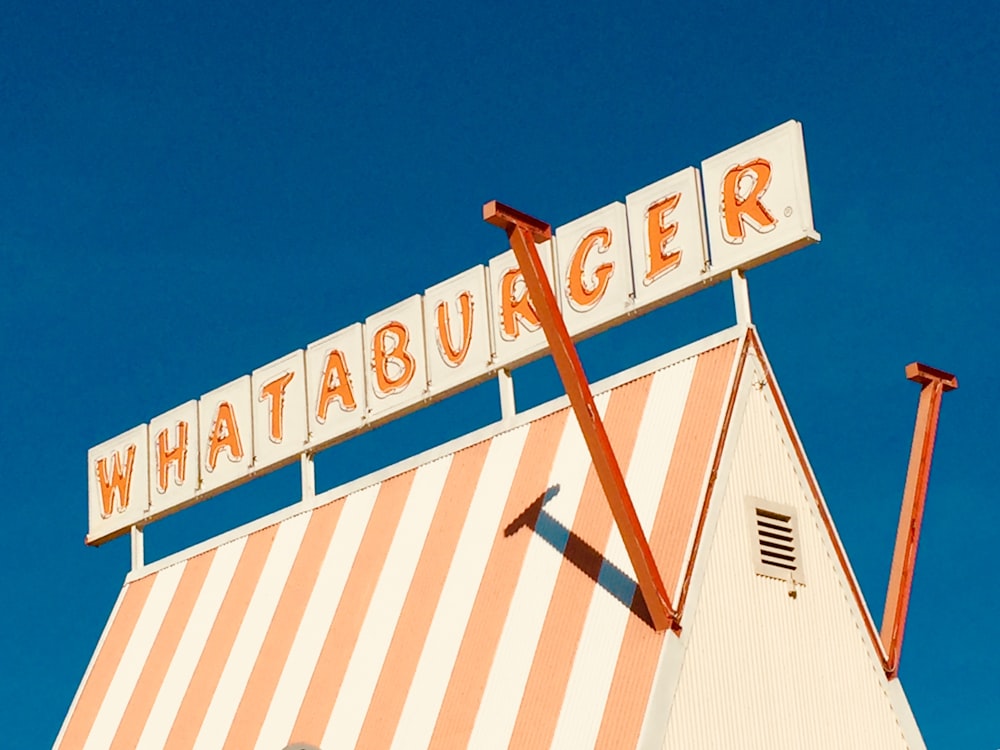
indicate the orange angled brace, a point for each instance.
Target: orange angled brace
{"x":897,"y":600}
{"x":523,"y":231}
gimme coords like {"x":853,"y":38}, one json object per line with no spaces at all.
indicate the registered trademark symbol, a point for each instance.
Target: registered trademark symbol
{"x":788,"y":211}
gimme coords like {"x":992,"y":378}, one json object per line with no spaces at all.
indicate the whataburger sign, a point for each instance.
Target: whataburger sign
{"x":667,"y":240}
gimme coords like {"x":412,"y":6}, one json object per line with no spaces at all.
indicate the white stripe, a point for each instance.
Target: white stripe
{"x":192,"y":643}
{"x":430,"y":681}
{"x":519,"y":639}
{"x":386,"y":604}
{"x":253,"y":629}
{"x":654,"y":446}
{"x":133,"y":659}
{"x":607,"y":617}
{"x":316,"y":619}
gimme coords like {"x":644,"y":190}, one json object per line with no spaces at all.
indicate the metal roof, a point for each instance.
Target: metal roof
{"x":478,"y":597}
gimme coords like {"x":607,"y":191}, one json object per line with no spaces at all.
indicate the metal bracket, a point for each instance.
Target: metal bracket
{"x":523,"y":231}
{"x":934,"y":383}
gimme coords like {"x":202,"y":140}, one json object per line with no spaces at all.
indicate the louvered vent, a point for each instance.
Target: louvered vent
{"x":775,"y":540}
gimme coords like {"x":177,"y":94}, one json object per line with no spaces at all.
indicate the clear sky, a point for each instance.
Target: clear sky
{"x":189,"y":193}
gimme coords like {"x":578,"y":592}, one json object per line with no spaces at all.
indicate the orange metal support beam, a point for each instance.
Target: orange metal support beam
{"x":523,"y":231}
{"x":934,"y":383}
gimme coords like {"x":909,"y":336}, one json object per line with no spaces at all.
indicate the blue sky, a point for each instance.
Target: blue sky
{"x":165,"y":170}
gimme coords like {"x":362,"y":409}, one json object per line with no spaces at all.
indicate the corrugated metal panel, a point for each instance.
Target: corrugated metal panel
{"x":764,"y":669}
{"x":676,"y":515}
{"x":483,"y":598}
{"x":185,"y":657}
{"x":535,"y":589}
{"x":595,"y":662}
{"x":468,"y":643}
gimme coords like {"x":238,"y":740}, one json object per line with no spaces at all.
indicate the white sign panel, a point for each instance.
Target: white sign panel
{"x":279,"y":409}
{"x":396,"y":359}
{"x":173,"y":457}
{"x":517,"y":332}
{"x":118,"y":484}
{"x":225,"y":434}
{"x":335,"y":379}
{"x":595,"y":271}
{"x":667,"y":231}
{"x":749,"y":204}
{"x":457,"y":330}
{"x":757,"y":202}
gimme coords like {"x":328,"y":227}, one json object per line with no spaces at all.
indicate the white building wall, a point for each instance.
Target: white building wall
{"x":764,"y":669}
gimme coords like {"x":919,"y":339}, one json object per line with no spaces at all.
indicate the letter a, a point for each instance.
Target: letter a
{"x":225,"y":434}
{"x":335,"y":385}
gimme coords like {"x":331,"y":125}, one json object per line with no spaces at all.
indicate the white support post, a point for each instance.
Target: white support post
{"x":137,"y":550}
{"x":741,"y":296}
{"x":308,"y":477}
{"x":506,"y":383}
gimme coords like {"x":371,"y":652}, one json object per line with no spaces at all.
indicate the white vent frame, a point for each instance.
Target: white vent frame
{"x":773,"y":528}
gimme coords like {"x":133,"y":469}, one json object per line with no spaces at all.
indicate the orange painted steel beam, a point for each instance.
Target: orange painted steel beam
{"x":523,"y":231}
{"x":934,"y":383}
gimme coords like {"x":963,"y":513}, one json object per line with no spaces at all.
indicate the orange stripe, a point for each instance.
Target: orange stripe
{"x":227,"y":623}
{"x":162,"y":652}
{"x":578,"y":572}
{"x":639,"y":654}
{"x":422,"y":597}
{"x":489,"y":612}
{"x":106,"y":663}
{"x":699,"y":525}
{"x":682,"y":493}
{"x":281,"y":632}
{"x":328,"y":675}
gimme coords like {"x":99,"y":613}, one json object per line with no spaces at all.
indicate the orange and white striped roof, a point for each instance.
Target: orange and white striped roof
{"x":478,"y":597}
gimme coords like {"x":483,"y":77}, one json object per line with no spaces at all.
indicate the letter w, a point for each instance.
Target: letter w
{"x":119,"y":483}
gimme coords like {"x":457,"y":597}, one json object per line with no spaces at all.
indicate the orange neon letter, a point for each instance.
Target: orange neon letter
{"x":452,"y":356}
{"x":165,"y":456}
{"x":514,"y":304}
{"x":274,"y":392}
{"x":225,"y":434}
{"x":389,"y":346}
{"x":660,"y":235}
{"x":584,"y":293}
{"x":742,"y":188}
{"x":119,"y":483}
{"x":336,"y":385}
